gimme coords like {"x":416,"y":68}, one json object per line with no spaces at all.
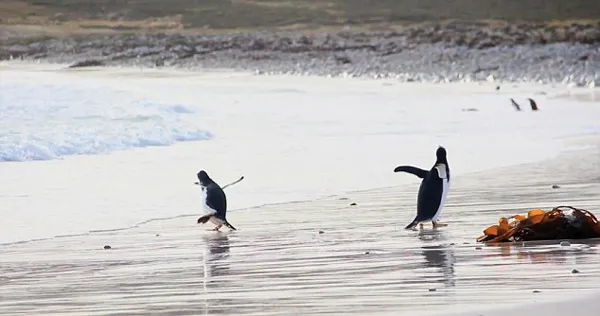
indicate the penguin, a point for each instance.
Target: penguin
{"x":214,"y":202}
{"x":515,"y":104}
{"x":533,"y":105}
{"x":433,"y":190}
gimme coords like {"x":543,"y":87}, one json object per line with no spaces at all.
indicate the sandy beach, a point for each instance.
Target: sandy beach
{"x":108,"y":110}
{"x":310,"y":148}
{"x":324,"y":257}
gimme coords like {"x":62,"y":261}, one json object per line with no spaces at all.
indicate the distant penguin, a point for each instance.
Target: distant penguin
{"x":533,"y":105}
{"x":214,"y":202}
{"x":515,"y":104}
{"x":433,"y":190}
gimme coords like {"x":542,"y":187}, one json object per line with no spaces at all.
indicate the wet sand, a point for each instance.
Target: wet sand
{"x":324,"y":256}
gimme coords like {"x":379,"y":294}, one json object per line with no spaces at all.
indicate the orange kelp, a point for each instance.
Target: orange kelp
{"x":562,"y":222}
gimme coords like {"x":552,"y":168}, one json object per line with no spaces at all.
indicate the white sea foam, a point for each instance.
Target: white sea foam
{"x":50,"y":120}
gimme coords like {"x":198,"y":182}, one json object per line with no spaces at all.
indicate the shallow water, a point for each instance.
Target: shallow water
{"x":293,"y":138}
{"x":320,"y":257}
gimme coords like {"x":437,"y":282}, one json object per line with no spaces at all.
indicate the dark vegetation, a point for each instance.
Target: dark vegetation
{"x":252,"y":14}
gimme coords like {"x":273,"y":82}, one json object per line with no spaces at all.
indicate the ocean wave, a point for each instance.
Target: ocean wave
{"x":86,"y":120}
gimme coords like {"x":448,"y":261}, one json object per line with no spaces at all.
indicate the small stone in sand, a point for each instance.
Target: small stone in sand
{"x":565,"y":243}
{"x":477,"y":248}
{"x":497,"y":88}
{"x":432,"y":290}
{"x":352,"y":204}
{"x":575,"y":271}
{"x":107,"y":247}
{"x":343,"y":199}
{"x":556,"y":186}
{"x":536,"y":291}
{"x":321,"y":232}
{"x":157,"y":235}
{"x":366,"y":252}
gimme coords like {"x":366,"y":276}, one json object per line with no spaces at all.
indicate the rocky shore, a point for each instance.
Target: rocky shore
{"x":567,"y":53}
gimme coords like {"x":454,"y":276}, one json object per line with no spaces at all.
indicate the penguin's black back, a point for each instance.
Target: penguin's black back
{"x":430,"y":195}
{"x":215,"y":199}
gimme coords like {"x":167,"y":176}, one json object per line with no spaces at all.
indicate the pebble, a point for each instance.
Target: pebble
{"x":575,"y":271}
{"x":107,"y":247}
{"x":352,"y":204}
{"x":565,"y":243}
{"x":366,"y":252}
{"x":477,"y":248}
{"x":321,"y":232}
{"x":432,"y":290}
{"x":556,"y":186}
{"x":536,"y":291}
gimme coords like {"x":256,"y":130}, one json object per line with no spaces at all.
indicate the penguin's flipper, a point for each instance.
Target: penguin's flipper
{"x":232,"y":183}
{"x":412,"y":225}
{"x":229,"y":225}
{"x":412,"y":170}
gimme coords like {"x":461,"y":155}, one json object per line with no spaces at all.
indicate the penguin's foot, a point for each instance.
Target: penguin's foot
{"x":217,"y":228}
{"x":421,"y":226}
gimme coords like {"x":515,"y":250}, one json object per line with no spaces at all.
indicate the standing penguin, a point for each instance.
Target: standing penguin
{"x":433,"y":190}
{"x":215,"y":202}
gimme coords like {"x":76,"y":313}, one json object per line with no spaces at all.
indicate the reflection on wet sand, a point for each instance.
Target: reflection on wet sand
{"x":216,"y":252}
{"x":439,"y":255}
{"x":545,"y":252}
{"x":216,"y":269}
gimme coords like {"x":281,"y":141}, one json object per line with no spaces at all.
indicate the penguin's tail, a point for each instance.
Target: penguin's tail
{"x":229,"y":225}
{"x":412,"y":224}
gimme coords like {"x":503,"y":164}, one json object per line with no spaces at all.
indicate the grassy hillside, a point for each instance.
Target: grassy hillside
{"x":252,"y":14}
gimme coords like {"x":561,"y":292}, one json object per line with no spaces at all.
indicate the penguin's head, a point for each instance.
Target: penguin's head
{"x":204,"y":178}
{"x":441,"y":154}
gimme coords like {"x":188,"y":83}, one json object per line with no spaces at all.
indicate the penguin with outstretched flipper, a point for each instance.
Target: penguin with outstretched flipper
{"x":433,"y":190}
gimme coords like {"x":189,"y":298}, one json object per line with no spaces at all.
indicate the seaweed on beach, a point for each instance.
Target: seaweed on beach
{"x":562,"y":222}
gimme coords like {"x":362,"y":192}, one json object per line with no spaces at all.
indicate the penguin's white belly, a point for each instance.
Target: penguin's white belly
{"x":206,"y":210}
{"x":441,"y":169}
{"x":446,"y":187}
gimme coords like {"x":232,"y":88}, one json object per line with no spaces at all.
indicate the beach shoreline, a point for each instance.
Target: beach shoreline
{"x":458,"y":276}
{"x":344,"y":253}
{"x":282,"y":84}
